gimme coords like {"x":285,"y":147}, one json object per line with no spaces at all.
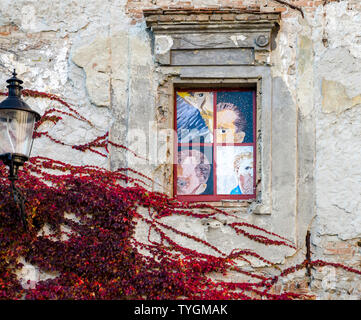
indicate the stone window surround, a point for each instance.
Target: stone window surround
{"x":170,"y":26}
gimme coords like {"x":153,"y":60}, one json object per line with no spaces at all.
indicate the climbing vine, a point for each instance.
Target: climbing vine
{"x":82,"y":222}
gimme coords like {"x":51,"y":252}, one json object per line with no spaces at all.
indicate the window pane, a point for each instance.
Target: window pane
{"x":235,"y":170}
{"x":235,"y":117}
{"x":194,"y":170}
{"x":194,"y":116}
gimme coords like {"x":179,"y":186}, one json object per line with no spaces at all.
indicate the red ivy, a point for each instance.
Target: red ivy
{"x":100,"y":258}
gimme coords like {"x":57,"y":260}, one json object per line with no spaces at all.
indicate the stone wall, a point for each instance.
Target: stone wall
{"x":99,"y":56}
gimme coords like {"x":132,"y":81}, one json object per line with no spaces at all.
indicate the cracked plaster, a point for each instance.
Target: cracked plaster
{"x":318,"y":60}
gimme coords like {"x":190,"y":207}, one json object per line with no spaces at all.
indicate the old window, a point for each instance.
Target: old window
{"x":223,"y":51}
{"x":214,"y":153}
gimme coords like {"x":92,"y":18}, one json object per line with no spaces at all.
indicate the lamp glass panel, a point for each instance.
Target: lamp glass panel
{"x":16,"y":131}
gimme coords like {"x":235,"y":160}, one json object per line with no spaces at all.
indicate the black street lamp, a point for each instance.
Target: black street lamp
{"x":17,"y":122}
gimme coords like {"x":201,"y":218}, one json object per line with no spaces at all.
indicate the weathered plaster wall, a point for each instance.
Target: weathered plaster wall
{"x":98,"y":56}
{"x":338,"y":138}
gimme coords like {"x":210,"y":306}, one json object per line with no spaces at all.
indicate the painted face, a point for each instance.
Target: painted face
{"x":187,"y":180}
{"x":226,"y":128}
{"x":245,"y":176}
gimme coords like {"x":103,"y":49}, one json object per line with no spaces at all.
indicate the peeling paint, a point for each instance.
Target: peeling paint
{"x":163,"y":44}
{"x":335,"y":98}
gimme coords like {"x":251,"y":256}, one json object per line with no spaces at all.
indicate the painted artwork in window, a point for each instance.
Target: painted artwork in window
{"x":234,"y":117}
{"x":195,"y":117}
{"x":214,"y":152}
{"x":235,"y":170}
{"x":194,"y":171}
